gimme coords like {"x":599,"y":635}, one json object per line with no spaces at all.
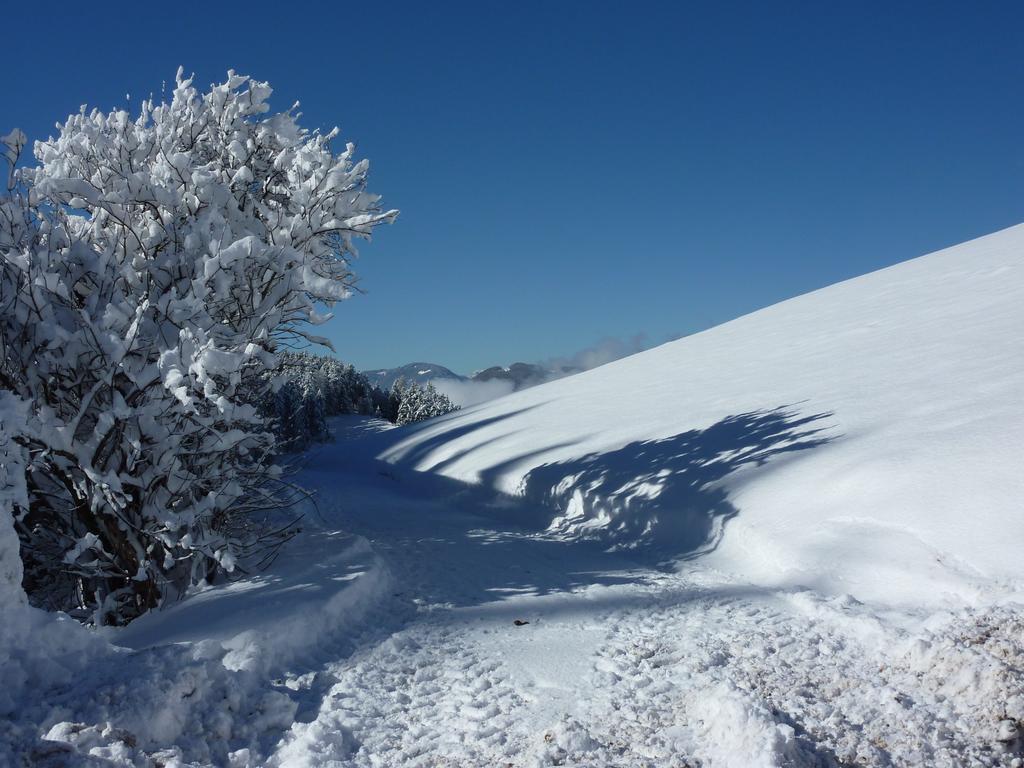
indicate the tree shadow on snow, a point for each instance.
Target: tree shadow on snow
{"x":665,"y":496}
{"x":443,"y":543}
{"x":649,"y":501}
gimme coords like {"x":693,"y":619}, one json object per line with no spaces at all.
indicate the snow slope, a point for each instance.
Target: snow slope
{"x":891,"y":471}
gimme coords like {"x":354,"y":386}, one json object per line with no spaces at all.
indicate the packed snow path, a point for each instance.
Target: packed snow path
{"x":512,"y":648}
{"x":458,"y":640}
{"x":432,"y":633}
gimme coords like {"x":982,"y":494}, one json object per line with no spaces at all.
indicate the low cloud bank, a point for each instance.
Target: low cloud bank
{"x":604,"y":351}
{"x":467,"y":393}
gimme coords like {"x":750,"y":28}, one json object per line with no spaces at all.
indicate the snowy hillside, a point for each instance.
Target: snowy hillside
{"x":863,"y":439}
{"x":791,"y":540}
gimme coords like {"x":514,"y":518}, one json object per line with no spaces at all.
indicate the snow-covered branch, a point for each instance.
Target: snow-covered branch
{"x":150,"y":265}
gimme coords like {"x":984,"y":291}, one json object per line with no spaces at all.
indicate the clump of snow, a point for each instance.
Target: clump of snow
{"x":567,"y":740}
{"x":731,"y":728}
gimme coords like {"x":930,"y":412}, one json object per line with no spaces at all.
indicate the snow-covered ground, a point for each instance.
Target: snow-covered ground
{"x":794,"y":539}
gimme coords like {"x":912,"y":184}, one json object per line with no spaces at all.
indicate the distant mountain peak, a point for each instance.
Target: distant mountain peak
{"x":416,"y":372}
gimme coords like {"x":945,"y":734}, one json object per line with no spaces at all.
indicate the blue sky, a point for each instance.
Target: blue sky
{"x":577,"y":170}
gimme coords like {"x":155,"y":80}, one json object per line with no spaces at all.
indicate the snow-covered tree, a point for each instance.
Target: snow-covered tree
{"x":288,"y":418}
{"x":415,"y":403}
{"x":317,"y":387}
{"x":150,"y":267}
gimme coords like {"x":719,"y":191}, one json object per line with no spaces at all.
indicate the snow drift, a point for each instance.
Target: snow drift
{"x":865,"y":438}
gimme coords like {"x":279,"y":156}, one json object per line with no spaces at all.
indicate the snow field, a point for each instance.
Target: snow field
{"x":862,"y":439}
{"x":792,"y":540}
{"x":617,"y":665}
